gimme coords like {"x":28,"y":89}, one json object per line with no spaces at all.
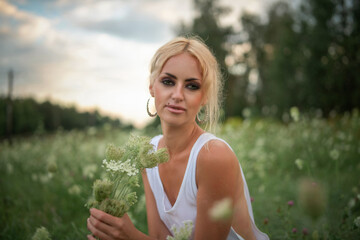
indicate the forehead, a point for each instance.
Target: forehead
{"x":183,"y":65}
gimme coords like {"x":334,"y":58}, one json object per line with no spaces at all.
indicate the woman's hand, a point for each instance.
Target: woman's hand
{"x":108,"y":227}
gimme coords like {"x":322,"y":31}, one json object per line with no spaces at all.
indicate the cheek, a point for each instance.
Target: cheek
{"x":160,"y":95}
{"x":198,"y":100}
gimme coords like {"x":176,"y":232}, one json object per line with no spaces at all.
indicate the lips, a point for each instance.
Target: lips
{"x":175,"y":108}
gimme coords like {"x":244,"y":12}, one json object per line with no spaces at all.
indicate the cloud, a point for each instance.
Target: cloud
{"x":27,"y":26}
{"x":137,"y":27}
{"x":93,"y":53}
{"x":21,"y":34}
{"x":124,"y":19}
{"x":68,"y":65}
{"x":169,"y":11}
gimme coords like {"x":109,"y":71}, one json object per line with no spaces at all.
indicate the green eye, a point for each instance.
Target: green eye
{"x":167,"y":81}
{"x":193,"y":86}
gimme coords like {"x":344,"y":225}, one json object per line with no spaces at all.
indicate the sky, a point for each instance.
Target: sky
{"x":92,"y":54}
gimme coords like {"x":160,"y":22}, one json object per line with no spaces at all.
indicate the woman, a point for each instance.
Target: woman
{"x":202,"y":169}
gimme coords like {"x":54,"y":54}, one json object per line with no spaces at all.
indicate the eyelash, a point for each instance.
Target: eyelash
{"x":168,"y":82}
{"x":190,"y":86}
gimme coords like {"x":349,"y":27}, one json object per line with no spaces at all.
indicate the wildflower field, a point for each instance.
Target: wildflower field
{"x":303,"y":176}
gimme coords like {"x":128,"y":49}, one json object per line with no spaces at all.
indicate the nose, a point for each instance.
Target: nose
{"x":178,"y":94}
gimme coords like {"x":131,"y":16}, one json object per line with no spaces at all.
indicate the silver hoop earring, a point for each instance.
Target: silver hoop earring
{"x":148,"y":111}
{"x":199,"y":120}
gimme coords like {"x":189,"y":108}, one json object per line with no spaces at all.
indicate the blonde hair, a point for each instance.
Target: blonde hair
{"x":211,"y":77}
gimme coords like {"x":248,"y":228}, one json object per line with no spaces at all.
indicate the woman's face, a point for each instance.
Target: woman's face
{"x":178,"y":90}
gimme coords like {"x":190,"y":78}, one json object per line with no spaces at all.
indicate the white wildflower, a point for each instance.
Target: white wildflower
{"x":295,"y":114}
{"x":357,"y":222}
{"x":352,"y":203}
{"x":129,"y":168}
{"x":52,"y":167}
{"x":89,"y":170}
{"x":45,"y":178}
{"x":299,"y":163}
{"x":222,"y":210}
{"x":74,"y":190}
{"x":111,"y":165}
{"x":341,"y":135}
{"x":183,"y":233}
{"x":114,"y":195}
{"x":117,"y":166}
{"x":41,"y":234}
{"x":334,"y":154}
{"x":246,"y":112}
{"x":91,"y":131}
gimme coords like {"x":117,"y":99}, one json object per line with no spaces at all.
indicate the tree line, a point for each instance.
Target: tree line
{"x":306,"y":56}
{"x":30,"y":116}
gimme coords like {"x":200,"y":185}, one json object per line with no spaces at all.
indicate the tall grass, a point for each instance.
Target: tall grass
{"x":45,"y":180}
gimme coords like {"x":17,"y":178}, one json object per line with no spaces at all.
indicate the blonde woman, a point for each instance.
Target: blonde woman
{"x":202,"y":169}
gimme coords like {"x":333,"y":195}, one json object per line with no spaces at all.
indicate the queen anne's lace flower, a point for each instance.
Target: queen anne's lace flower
{"x":115,"y":195}
{"x":124,"y":167}
{"x":222,"y":210}
{"x":183,"y":233}
{"x":102,"y":189}
{"x":41,"y":234}
{"x":357,"y":222}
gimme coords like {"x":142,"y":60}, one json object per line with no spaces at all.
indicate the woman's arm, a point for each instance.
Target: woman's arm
{"x":156,"y":226}
{"x":218,"y":176}
{"x":108,"y":227}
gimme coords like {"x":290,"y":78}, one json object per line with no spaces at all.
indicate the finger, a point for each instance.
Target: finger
{"x":103,"y":216}
{"x":90,"y":237}
{"x":97,"y":232}
{"x":103,"y":227}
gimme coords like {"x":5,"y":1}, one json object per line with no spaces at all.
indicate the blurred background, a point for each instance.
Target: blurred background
{"x":74,"y":77}
{"x":60,"y":58}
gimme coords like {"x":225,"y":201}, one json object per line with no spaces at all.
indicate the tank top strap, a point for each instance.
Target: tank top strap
{"x":201,"y":141}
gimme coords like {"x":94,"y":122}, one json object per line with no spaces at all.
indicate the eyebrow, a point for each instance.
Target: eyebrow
{"x":186,"y":80}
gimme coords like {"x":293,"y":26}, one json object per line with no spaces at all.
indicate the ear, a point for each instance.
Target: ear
{"x":151,"y":90}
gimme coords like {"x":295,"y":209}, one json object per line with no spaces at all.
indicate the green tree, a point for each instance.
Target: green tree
{"x":29,"y":116}
{"x":305,"y":57}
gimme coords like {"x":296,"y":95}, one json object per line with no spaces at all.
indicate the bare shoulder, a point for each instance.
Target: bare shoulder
{"x":217,"y":158}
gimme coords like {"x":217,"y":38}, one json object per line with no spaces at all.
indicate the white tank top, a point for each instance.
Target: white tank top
{"x":184,"y":209}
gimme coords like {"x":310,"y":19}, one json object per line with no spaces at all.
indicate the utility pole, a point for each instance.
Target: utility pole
{"x":9,"y":107}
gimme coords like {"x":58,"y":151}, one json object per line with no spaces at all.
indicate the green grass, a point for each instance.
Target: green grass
{"x":275,"y":158}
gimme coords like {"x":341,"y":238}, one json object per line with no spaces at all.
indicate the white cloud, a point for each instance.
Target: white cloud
{"x":100,"y":11}
{"x":28,"y":27}
{"x":90,"y":69}
{"x":94,"y":53}
{"x":125,"y":19}
{"x":169,"y":11}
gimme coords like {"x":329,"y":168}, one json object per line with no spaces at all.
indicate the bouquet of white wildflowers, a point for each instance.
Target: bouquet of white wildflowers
{"x":115,"y":194}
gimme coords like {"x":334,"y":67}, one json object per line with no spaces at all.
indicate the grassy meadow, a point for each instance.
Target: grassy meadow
{"x":303,"y":176}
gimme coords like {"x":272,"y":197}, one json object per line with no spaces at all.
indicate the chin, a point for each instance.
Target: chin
{"x":175,"y":121}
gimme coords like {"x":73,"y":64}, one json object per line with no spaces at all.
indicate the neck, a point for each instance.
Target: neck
{"x":177,"y":139}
